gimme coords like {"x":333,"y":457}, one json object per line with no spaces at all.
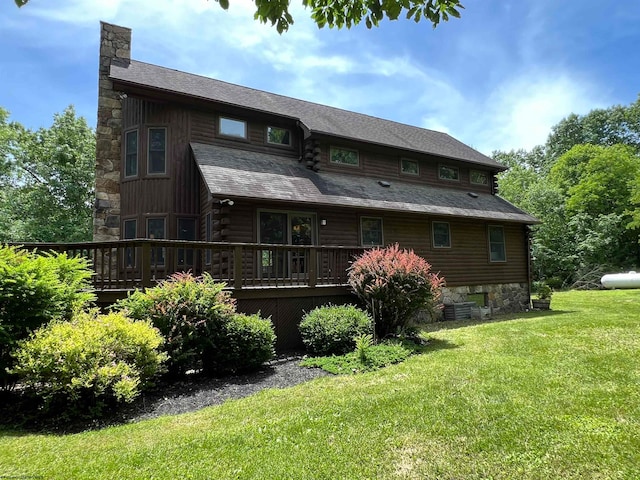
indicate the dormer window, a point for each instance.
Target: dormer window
{"x":231,"y":127}
{"x":446,"y":172}
{"x":278,"y":136}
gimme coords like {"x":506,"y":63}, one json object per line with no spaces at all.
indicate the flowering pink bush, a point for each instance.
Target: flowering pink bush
{"x":394,"y":284}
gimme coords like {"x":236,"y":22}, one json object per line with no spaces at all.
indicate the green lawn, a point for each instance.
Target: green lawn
{"x":537,"y":395}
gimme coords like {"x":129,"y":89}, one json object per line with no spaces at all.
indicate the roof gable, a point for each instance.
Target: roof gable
{"x":316,"y":118}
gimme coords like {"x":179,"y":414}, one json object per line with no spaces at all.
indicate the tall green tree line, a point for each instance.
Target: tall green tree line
{"x":47,"y":180}
{"x":584,"y":186}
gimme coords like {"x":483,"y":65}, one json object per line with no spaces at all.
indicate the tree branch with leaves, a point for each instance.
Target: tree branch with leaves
{"x":347,"y":13}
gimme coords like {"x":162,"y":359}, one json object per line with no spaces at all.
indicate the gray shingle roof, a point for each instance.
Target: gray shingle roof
{"x":230,"y":172}
{"x":319,"y":119}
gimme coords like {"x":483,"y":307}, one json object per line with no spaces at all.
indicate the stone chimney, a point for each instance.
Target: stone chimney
{"x":115,"y":47}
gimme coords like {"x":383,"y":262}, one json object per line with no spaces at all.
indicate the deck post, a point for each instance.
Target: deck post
{"x":237,"y":267}
{"x":146,"y":265}
{"x":313,"y":267}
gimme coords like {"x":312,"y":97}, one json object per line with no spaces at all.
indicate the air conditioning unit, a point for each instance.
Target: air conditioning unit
{"x":458,"y":311}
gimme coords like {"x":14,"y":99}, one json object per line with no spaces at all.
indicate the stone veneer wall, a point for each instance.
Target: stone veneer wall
{"x":501,"y":298}
{"x":115,"y":46}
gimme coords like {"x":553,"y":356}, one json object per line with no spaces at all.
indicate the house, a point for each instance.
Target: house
{"x":187,"y":158}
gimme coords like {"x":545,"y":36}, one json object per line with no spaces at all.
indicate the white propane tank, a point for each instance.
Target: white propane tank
{"x":621,"y":280}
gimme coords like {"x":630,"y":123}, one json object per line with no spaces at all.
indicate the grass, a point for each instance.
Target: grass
{"x":375,"y":357}
{"x":532,"y":396}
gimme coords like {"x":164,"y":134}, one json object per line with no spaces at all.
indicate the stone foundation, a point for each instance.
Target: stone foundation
{"x":501,"y":298}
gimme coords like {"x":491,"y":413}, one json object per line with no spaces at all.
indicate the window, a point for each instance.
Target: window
{"x":131,"y":154}
{"x":208,"y":235}
{"x":129,"y":231}
{"x":278,"y":136}
{"x":157,"y":151}
{"x":233,"y":128}
{"x":294,"y":228}
{"x":441,"y":235}
{"x":410,"y":167}
{"x":186,"y":231}
{"x":344,"y":156}
{"x":371,"y":231}
{"x":497,"y":251}
{"x":479,"y":178}
{"x":156,"y":229}
{"x":448,"y":173}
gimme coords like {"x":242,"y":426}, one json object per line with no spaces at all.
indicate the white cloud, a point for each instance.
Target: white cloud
{"x":520,"y":112}
{"x":492,"y":94}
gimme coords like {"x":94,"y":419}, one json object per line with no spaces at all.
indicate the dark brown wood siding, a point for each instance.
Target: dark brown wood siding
{"x":384,"y":163}
{"x":174,"y":194}
{"x":465,"y":263}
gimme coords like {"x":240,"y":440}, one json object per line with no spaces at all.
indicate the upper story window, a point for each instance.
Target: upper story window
{"x":344,"y":156}
{"x":131,"y":154}
{"x":445,"y":172}
{"x":479,"y":178}
{"x":497,"y":249}
{"x":409,"y":167}
{"x":157,"y":157}
{"x":371,"y":231}
{"x":278,"y":136}
{"x":233,"y":128}
{"x":441,"y":235}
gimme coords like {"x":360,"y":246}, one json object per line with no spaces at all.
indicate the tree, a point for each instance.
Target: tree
{"x":586,"y":203}
{"x":346,"y":13}
{"x":607,"y":127}
{"x":48,"y":180}
{"x":597,"y":180}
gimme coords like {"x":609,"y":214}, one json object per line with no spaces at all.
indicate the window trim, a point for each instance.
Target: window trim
{"x":231,"y":135}
{"x":403,"y":172}
{"x":275,"y":144}
{"x":440,"y":177}
{"x":166,"y":142}
{"x":504,"y":243}
{"x":433,"y":234}
{"x":126,"y":153}
{"x":486,"y":174}
{"x":335,"y":147}
{"x":365,"y":217}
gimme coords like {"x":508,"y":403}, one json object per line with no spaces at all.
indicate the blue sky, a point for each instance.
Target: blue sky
{"x":498,"y":78}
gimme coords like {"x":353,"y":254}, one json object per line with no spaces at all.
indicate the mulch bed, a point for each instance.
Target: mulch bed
{"x":174,"y":398}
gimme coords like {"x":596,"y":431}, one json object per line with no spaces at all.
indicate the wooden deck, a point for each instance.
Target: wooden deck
{"x":279,"y":281}
{"x":129,"y":264}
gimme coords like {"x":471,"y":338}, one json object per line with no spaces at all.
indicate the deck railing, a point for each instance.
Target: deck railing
{"x":128,"y":264}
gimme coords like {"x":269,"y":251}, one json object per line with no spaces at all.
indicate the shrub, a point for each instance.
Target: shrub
{"x":394,"y":284}
{"x":197,"y":318}
{"x":82,"y":365}
{"x":332,"y":329}
{"x":245,"y":343}
{"x":35,"y":289}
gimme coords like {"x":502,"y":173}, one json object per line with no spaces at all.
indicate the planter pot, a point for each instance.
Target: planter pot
{"x":539,"y":304}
